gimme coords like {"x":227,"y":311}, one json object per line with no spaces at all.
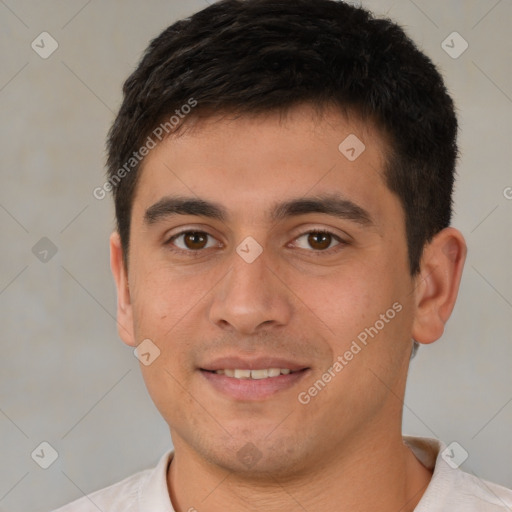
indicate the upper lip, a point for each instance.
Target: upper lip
{"x":257,"y":363}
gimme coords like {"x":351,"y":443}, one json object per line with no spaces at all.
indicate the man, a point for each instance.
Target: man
{"x":282,"y":173}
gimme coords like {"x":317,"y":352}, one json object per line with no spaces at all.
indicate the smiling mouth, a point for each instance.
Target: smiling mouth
{"x":264,"y":373}
{"x":253,"y":384}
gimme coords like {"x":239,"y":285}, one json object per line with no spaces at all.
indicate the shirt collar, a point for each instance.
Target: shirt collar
{"x":154,"y":493}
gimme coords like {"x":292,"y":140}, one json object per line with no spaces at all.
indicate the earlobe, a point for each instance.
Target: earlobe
{"x":437,"y":285}
{"x":124,"y":306}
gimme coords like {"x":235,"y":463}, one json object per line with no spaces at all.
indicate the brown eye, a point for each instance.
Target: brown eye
{"x":195,"y":240}
{"x":319,"y":241}
{"x":191,"y":241}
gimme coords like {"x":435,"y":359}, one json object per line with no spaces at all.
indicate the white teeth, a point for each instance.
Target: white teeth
{"x":259,"y":374}
{"x":242,"y":374}
{"x":254,"y":374}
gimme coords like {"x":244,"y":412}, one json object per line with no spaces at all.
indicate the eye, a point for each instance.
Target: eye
{"x":319,"y":240}
{"x":190,"y":241}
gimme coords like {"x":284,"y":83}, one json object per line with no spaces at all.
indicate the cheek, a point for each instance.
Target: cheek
{"x":167,"y":389}
{"x":368,"y":305}
{"x":169,"y":309}
{"x":162,"y":298}
{"x":344,"y":299}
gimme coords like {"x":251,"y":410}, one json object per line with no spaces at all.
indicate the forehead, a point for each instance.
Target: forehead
{"x":250,"y":164}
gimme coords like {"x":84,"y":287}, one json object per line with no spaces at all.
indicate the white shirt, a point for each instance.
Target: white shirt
{"x":450,"y":490}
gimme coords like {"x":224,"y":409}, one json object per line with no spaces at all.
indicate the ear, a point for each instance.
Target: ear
{"x":124,"y":306}
{"x":437,"y":285}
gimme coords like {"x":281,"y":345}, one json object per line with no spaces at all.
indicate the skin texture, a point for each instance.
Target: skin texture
{"x":301,"y":300}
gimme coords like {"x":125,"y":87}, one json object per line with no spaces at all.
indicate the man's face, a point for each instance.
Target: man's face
{"x":326,"y":287}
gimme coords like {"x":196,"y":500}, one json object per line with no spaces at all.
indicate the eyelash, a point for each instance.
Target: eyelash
{"x":198,"y":252}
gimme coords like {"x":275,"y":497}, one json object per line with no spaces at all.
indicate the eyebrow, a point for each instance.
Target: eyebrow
{"x":333,"y":205}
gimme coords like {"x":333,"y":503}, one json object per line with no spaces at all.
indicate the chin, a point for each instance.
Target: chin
{"x":256,"y":458}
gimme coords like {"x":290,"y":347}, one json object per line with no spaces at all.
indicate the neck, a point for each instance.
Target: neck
{"x":378,"y":473}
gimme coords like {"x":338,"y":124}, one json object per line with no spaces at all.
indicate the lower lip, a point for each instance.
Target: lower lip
{"x":253,"y":389}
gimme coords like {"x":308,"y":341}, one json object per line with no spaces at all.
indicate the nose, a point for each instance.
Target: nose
{"x":251,"y":297}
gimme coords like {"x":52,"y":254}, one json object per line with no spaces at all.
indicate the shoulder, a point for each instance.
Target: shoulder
{"x":451,"y":488}
{"x":472,"y":493}
{"x":460,"y":491}
{"x":143,"y":489}
{"x":121,"y":496}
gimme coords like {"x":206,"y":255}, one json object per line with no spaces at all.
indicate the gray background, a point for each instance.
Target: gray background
{"x":67,"y":379}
